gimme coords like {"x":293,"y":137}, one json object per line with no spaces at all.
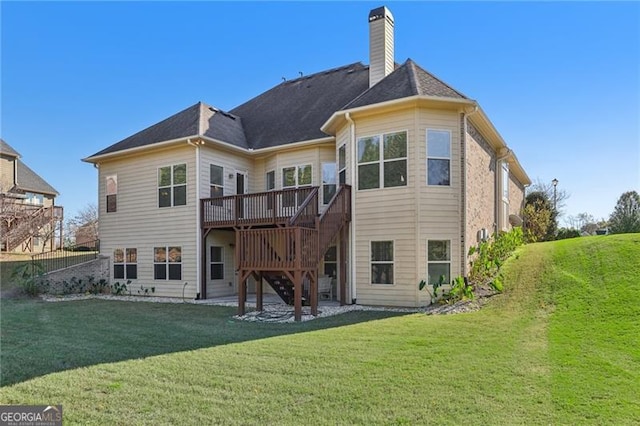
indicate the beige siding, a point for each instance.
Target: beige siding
{"x":438,"y":214}
{"x":387,"y":214}
{"x":231,"y":163}
{"x":140,"y":223}
{"x":227,"y":286}
{"x":6,"y":173}
{"x":481,"y":186}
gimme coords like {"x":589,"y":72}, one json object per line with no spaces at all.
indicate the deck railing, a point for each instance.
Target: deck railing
{"x":261,"y":208}
{"x":278,"y":249}
{"x":307,"y":212}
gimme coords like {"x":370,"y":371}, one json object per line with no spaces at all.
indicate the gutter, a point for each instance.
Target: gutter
{"x":352,"y":228}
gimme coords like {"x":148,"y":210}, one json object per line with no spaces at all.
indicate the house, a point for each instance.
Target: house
{"x":379,"y":176}
{"x":28,"y":215}
{"x":86,"y":234}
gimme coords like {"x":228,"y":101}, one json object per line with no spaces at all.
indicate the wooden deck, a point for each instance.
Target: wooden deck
{"x":280,"y":232}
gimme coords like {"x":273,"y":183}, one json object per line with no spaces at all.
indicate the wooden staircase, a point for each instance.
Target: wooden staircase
{"x":20,"y":222}
{"x":286,"y":257}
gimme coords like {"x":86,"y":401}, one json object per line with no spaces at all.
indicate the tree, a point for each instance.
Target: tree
{"x":626,"y":215}
{"x":539,"y":218}
{"x":548,"y":190}
{"x":87,"y":220}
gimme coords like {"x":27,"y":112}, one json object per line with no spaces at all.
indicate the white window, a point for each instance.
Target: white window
{"x":167,"y":263}
{"x":125,"y":264}
{"x":217,"y":263}
{"x":382,"y":164}
{"x":271,"y":180}
{"x":505,"y":194}
{"x":438,"y":157}
{"x":295,"y":177}
{"x":111,"y":186}
{"x":331,"y":262}
{"x":438,"y":261}
{"x":216,"y":181}
{"x":328,"y":182}
{"x":381,"y":262}
{"x":34,"y":199}
{"x":172,"y":185}
{"x":342,"y":165}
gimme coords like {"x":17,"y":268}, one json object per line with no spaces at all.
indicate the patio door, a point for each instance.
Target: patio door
{"x":241,"y":186}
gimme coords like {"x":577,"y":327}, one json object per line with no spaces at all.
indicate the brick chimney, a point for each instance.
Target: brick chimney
{"x":381,"y":61}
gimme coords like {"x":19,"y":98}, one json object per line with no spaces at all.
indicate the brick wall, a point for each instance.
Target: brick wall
{"x":480,"y":191}
{"x":98,"y":269}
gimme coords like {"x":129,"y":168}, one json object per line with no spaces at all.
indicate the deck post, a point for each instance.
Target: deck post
{"x":313,"y":296}
{"x":297,"y":294}
{"x":259,"y":293}
{"x":242,"y":293}
{"x":344,"y":233}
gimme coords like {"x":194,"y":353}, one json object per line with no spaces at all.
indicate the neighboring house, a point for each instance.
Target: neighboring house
{"x":87,"y":234}
{"x":28,"y":216}
{"x":379,"y":175}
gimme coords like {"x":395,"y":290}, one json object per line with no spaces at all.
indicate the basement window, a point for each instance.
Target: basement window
{"x":382,"y":262}
{"x":125,"y":264}
{"x":167,"y":263}
{"x":438,"y":261}
{"x":217,"y":263}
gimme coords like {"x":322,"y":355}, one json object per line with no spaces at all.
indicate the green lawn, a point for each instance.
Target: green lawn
{"x":559,"y":347}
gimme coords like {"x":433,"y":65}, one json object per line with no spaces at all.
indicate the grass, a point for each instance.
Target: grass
{"x":559,"y":347}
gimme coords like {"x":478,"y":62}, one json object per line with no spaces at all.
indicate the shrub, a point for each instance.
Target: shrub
{"x":29,"y":278}
{"x":490,"y":255}
{"x":564,"y":233}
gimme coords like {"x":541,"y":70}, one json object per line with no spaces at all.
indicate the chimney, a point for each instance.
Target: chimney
{"x":381,"y":62}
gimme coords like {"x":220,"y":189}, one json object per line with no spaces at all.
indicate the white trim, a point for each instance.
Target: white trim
{"x":211,"y":262}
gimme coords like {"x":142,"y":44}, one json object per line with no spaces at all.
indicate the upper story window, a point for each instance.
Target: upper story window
{"x":271,"y":180}
{"x":438,"y":157}
{"x":172,"y":185}
{"x":296,"y":176}
{"x":111,"y":186}
{"x":216,"y":181}
{"x":342,"y":165}
{"x":328,"y":182}
{"x":505,"y":181}
{"x":386,"y":160}
{"x":35,"y":199}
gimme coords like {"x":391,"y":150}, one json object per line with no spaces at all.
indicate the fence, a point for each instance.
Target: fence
{"x":67,"y":257}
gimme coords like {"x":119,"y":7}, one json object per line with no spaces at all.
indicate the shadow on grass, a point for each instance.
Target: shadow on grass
{"x":39,"y":338}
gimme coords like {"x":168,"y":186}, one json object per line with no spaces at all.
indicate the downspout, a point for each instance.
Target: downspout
{"x":465,"y":175}
{"x":352,"y":228}
{"x":198,"y":233}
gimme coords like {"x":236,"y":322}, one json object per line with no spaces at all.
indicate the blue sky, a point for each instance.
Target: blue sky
{"x":560,"y":81}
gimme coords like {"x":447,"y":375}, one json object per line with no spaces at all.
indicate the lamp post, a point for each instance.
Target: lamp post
{"x":555,"y":194}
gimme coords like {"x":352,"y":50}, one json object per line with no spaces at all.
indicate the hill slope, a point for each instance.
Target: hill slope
{"x":559,"y":347}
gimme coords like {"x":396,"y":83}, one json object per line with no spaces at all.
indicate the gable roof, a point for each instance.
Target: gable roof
{"x":295,"y":110}
{"x":197,"y":120}
{"x":30,"y":181}
{"x":407,"y":80}
{"x":7,"y":150}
